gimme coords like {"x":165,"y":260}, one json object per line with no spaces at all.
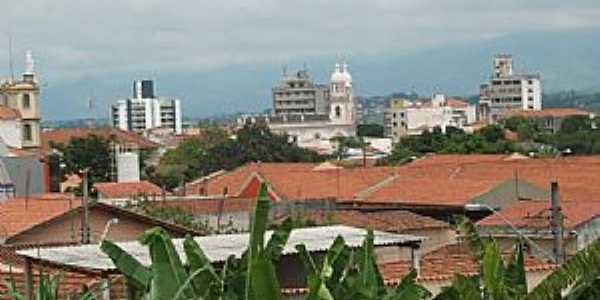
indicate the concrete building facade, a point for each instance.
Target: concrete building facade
{"x":24,"y":96}
{"x":507,"y":92}
{"x":146,"y":111}
{"x":404,"y":117}
{"x":298,"y":94}
{"x":325,"y":112}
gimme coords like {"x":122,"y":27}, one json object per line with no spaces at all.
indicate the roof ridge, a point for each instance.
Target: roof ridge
{"x":379,"y":185}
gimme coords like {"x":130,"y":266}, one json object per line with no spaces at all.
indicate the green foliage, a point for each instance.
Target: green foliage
{"x":580,"y":273}
{"x":92,"y":152}
{"x":488,"y":140}
{"x":183,"y":218}
{"x":370,"y":130}
{"x":214,"y":151}
{"x":250,"y":277}
{"x":575,"y":124}
{"x":578,"y":277}
{"x":353,"y":274}
{"x":47,"y":289}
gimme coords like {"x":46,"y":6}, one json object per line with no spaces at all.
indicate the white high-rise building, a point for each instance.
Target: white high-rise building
{"x":146,"y":111}
{"x":508,"y":92}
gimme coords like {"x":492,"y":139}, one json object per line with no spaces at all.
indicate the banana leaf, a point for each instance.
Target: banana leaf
{"x":169,"y":275}
{"x":137,"y":274}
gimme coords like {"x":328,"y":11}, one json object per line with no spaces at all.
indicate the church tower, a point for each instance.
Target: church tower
{"x":23,"y":96}
{"x":342,"y":110}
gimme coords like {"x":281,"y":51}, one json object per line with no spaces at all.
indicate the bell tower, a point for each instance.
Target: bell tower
{"x":342,"y":110}
{"x":23,"y":95}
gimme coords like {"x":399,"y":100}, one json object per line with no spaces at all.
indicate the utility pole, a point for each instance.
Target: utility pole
{"x":85,"y":216}
{"x":556,"y":223}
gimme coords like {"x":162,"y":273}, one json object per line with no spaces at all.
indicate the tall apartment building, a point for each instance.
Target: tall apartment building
{"x":310,"y":114}
{"x":24,"y":96}
{"x":296,"y":94}
{"x":146,"y":111}
{"x":508,"y":92}
{"x":404,"y":117}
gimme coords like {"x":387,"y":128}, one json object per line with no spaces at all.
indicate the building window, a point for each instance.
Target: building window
{"x":338,"y":111}
{"x":27,"y":132}
{"x":26,"y":101}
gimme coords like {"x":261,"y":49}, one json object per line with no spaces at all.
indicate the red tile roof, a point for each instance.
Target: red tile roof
{"x":7,"y":113}
{"x":536,"y":214}
{"x":549,"y":112}
{"x":295,"y":181}
{"x":576,"y":175}
{"x":209,"y":206}
{"x":121,"y":190}
{"x":19,"y":215}
{"x":456,"y":103}
{"x":444,"y":263}
{"x":65,"y":135}
{"x":449,"y":180}
{"x":397,"y":221}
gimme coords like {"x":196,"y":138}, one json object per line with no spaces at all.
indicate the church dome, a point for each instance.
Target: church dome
{"x":340,"y":74}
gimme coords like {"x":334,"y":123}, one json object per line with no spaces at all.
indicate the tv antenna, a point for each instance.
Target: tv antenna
{"x":10,"y":58}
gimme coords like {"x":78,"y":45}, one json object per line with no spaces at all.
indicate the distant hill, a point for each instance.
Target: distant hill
{"x":567,"y":60}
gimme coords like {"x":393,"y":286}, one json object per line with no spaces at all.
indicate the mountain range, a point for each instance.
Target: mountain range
{"x":566,"y":59}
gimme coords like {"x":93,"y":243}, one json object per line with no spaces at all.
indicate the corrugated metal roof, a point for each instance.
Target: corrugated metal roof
{"x":216,"y":247}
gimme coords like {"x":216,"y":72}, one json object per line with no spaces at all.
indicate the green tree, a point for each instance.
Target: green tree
{"x":575,"y":124}
{"x":92,"y":153}
{"x":199,"y":157}
{"x":370,"y":130}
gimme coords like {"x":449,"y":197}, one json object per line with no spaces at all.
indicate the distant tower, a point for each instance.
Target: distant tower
{"x":29,"y":64}
{"x":503,"y":65}
{"x":23,"y":95}
{"x":342,"y":108}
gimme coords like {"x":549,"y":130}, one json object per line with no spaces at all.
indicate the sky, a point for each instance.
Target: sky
{"x":122,"y":39}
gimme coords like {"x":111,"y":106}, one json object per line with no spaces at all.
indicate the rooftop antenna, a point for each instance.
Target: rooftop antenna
{"x":91,"y":105}
{"x":27,"y":188}
{"x":284,"y":70}
{"x":10,"y":59}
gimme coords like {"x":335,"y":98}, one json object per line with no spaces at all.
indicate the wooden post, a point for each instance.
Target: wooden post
{"x":85,"y":217}
{"x":557,"y":223}
{"x":414,"y":257}
{"x":106,"y":286}
{"x":28,"y":279}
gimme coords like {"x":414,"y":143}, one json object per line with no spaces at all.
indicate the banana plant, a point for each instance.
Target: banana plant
{"x":252,"y":277}
{"x":47,"y":289}
{"x":496,"y":278}
{"x":577,"y":279}
{"x":350,"y":274}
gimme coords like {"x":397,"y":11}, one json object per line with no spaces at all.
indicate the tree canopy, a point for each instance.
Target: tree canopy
{"x":488,"y":140}
{"x":92,"y":152}
{"x":209,"y":153}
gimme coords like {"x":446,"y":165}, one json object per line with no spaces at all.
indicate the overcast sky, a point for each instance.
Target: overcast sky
{"x":71,"y":39}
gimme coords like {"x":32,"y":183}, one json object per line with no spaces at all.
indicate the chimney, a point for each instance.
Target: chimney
{"x":556,"y":223}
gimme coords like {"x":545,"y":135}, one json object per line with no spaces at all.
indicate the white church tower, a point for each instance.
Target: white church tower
{"x":342,"y":110}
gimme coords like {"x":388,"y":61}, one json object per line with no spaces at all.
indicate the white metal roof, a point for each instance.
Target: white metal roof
{"x":216,"y":247}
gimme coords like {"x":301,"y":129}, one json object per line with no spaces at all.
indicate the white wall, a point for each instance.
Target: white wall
{"x":11,"y":132}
